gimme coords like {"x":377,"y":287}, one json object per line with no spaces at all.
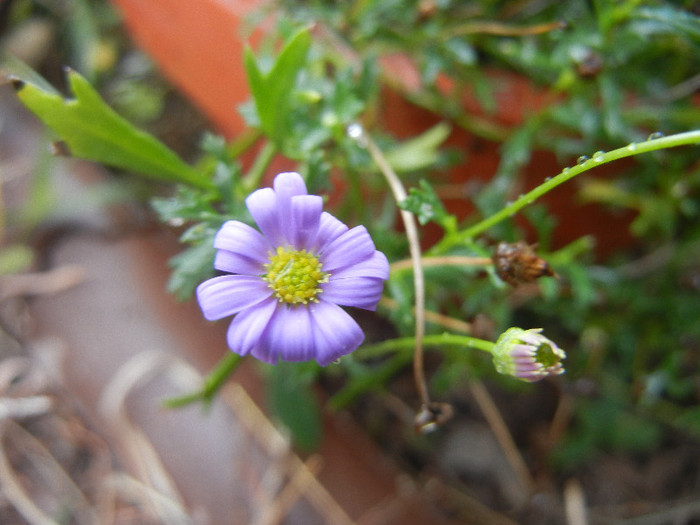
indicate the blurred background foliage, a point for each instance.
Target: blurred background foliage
{"x":605,"y":74}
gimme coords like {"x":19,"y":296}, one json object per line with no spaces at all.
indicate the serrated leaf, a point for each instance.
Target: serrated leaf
{"x":427,"y":207}
{"x":94,"y":131}
{"x":191,"y":267}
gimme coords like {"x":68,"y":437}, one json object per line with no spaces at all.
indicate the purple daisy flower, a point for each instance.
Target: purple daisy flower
{"x":285,"y":284}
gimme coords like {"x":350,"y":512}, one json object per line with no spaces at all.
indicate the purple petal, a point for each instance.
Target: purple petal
{"x":348,"y":249}
{"x":289,"y":184}
{"x":289,"y":335}
{"x":264,"y":206}
{"x":236,"y":237}
{"x":361,"y":292}
{"x":248,"y":327}
{"x":229,"y":294}
{"x":230,"y":262}
{"x":376,"y":266}
{"x":335,"y":333}
{"x":329,"y":230}
{"x":306,"y":217}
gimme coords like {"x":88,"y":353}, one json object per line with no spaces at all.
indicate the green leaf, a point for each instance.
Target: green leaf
{"x":272,"y":90}
{"x":93,"y":131}
{"x":191,"y":267}
{"x":419,"y":152}
{"x":427,"y":206}
{"x":294,"y":404}
{"x":675,"y":20}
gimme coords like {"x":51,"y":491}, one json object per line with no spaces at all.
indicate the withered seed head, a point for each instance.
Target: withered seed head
{"x":517,"y":263}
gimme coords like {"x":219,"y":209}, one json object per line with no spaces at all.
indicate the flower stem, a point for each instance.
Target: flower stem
{"x":409,"y":221}
{"x":447,"y":260}
{"x":212,"y":382}
{"x":585,"y":164}
{"x":257,"y":170}
{"x":446,"y":339}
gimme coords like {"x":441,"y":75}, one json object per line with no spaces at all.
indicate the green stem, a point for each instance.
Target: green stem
{"x":257,"y":170}
{"x":585,"y":164}
{"x":401,"y":348}
{"x":212,"y":382}
{"x":407,"y":343}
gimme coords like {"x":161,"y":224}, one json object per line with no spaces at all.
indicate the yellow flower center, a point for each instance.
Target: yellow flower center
{"x":294,"y":275}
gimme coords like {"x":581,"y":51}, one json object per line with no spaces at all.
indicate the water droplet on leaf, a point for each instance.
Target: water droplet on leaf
{"x":656,"y":135}
{"x":582,"y":159}
{"x":598,"y":156}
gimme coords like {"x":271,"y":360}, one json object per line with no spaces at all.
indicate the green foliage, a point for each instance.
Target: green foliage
{"x":273,"y":90}
{"x":293,"y":403}
{"x":93,"y":131}
{"x":600,"y":77}
{"x":426,"y":205}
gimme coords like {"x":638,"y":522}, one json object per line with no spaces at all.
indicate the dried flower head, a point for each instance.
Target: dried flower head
{"x":527,"y":355}
{"x":517,"y":263}
{"x":284,"y":285}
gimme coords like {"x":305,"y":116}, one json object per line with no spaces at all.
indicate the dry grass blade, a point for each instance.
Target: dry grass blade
{"x":15,"y":494}
{"x":258,"y":425}
{"x":137,"y":447}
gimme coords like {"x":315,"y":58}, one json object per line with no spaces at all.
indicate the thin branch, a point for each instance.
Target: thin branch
{"x":447,"y":260}
{"x":411,"y":227}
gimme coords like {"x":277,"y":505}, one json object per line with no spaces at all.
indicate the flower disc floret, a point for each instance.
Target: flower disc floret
{"x":285,"y":284}
{"x":295,"y":275}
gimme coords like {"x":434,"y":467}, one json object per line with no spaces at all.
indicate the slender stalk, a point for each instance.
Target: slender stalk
{"x":452,"y":324}
{"x":585,"y":163}
{"x":411,"y":227}
{"x":212,"y":382}
{"x":405,"y":343}
{"x":447,"y":260}
{"x":257,"y":170}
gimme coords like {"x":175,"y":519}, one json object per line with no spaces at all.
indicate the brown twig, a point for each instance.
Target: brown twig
{"x":411,"y":227}
{"x":447,"y":260}
{"x":503,"y":435}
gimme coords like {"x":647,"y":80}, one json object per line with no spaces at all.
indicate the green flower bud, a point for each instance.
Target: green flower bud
{"x":527,"y":355}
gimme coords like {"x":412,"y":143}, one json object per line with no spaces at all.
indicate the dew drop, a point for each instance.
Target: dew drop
{"x":547,"y":179}
{"x":565,"y":171}
{"x":582,"y":159}
{"x":357,"y":132}
{"x":598,"y":156}
{"x":655,"y":135}
{"x":631,"y":146}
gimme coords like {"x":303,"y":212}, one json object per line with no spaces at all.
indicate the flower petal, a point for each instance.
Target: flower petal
{"x":263,"y":205}
{"x":289,"y":335}
{"x":361,"y":292}
{"x":329,"y":230}
{"x":229,"y":294}
{"x":289,"y":184}
{"x":237,"y":237}
{"x":248,"y":327}
{"x":376,"y":266}
{"x":231,"y":262}
{"x":306,"y":217}
{"x":348,"y":249}
{"x":335,"y":333}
